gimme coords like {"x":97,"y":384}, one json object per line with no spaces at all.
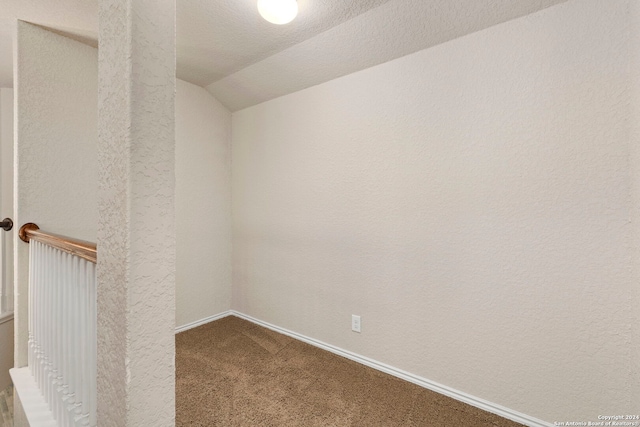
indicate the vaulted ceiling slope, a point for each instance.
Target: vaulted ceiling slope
{"x":225,"y":46}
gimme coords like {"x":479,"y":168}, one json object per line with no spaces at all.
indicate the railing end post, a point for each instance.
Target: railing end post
{"x":6,"y":224}
{"x":23,"y":233}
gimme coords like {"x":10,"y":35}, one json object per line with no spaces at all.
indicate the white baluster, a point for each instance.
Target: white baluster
{"x":62,"y":333}
{"x":32,"y":280}
{"x":34,"y":297}
{"x":63,"y":394}
{"x":93,"y":342}
{"x":59,"y":378}
{"x":55,"y":340}
{"x":46,"y":325}
{"x":37,"y":314}
{"x":78,"y":342}
{"x":73,"y":342}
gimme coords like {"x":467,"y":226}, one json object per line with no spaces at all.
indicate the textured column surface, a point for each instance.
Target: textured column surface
{"x":136,"y":236}
{"x":634,"y":144}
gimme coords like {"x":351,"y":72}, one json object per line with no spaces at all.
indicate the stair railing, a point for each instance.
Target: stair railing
{"x":62,"y":324}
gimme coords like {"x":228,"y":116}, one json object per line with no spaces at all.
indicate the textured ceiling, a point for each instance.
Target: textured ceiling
{"x":214,"y":37}
{"x":225,"y":46}
{"x":218,"y":37}
{"x":392,"y":30}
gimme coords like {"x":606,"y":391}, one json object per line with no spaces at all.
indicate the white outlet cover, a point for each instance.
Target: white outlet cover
{"x":355,"y":323}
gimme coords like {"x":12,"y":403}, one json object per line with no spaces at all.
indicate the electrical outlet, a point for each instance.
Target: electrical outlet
{"x":355,"y":323}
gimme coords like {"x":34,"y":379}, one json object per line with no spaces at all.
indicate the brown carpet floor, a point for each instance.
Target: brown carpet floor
{"x":234,"y":373}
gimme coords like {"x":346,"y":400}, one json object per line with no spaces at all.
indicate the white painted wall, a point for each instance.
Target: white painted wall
{"x":6,"y":196}
{"x":203,"y":205}
{"x":56,"y":87}
{"x":6,"y":248}
{"x":6,"y":53}
{"x":471,"y":202}
{"x":203,"y":194}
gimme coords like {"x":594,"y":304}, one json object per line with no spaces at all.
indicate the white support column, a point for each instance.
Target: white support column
{"x":136,"y":236}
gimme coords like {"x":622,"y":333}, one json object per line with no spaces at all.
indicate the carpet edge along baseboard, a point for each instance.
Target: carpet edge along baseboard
{"x":398,"y":373}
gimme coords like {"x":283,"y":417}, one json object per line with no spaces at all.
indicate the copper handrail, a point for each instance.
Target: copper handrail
{"x":85,"y":250}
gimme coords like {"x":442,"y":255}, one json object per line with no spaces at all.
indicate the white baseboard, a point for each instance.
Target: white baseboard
{"x":399,"y":373}
{"x":203,"y":321}
{"x":423,"y":382}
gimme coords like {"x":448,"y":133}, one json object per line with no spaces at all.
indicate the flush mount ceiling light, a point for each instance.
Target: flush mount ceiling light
{"x":278,"y":11}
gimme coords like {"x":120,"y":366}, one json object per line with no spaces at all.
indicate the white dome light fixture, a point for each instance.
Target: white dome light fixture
{"x":278,"y":11}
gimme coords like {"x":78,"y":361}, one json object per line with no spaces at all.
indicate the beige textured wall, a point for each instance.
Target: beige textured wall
{"x":634,"y":119}
{"x":56,"y":85}
{"x":471,"y":202}
{"x":203,"y":205}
